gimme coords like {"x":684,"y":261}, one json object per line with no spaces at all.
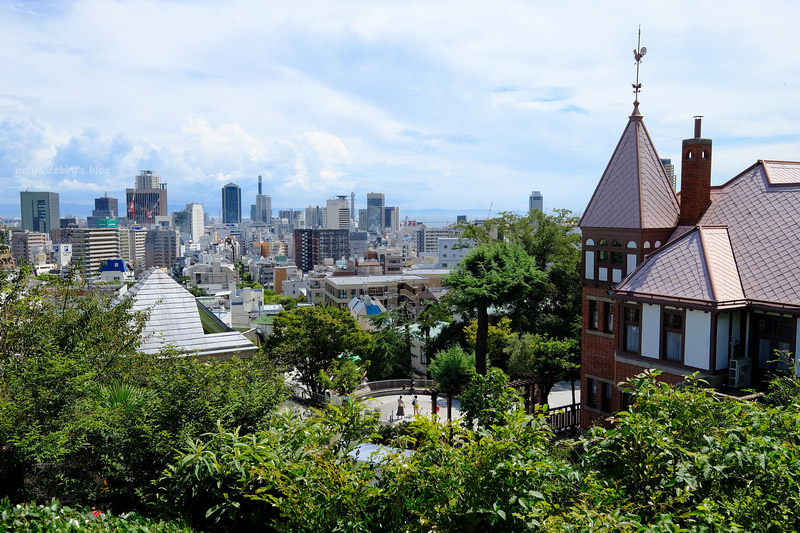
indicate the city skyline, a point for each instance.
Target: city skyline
{"x":452,"y":106}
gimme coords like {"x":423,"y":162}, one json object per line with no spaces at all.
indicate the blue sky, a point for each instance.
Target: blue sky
{"x":447,"y":105}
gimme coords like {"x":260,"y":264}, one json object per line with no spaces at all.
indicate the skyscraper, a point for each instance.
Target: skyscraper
{"x":148,"y":199}
{"x":231,"y":204}
{"x":313,"y":247}
{"x":161,"y":247}
{"x":105,"y":206}
{"x":536,"y":202}
{"x":337,"y":213}
{"x":376,"y":202}
{"x":670,"y":168}
{"x":263,"y":206}
{"x":40,"y":211}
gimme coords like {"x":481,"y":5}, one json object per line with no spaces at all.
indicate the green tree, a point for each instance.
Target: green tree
{"x":498,"y":338}
{"x":552,"y":241}
{"x":342,"y":376}
{"x":548,"y":360}
{"x":391,"y":355}
{"x":487,"y":399}
{"x":453,"y":370}
{"x":492,"y":274}
{"x":309,"y":339}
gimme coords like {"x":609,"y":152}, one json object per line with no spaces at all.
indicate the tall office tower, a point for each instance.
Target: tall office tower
{"x":131,"y":247}
{"x":105,"y":209}
{"x":196,"y":221}
{"x":189,"y":222}
{"x":263,"y":209}
{"x":231,"y":204}
{"x":314,"y":217}
{"x":536,"y":202}
{"x":313,"y":247}
{"x":362,"y":220}
{"x":391,"y":218}
{"x":147,"y":179}
{"x":670,"y":168}
{"x":161,"y":247}
{"x":40,"y":211}
{"x":180,"y":221}
{"x":91,"y":246}
{"x":353,"y":206}
{"x":337,"y":213}
{"x":105,"y":206}
{"x":376,"y":202}
{"x":461,"y":219}
{"x":148,"y":199}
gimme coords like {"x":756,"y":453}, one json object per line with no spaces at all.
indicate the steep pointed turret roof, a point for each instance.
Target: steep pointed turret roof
{"x":634,"y":191}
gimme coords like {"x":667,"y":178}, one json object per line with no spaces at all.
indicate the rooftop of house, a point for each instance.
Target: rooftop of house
{"x":743,"y":250}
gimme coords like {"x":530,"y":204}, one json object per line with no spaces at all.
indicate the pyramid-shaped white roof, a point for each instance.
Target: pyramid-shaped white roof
{"x":175,"y":321}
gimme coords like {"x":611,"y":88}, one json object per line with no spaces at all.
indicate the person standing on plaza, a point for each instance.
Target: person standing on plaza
{"x":415,"y":405}
{"x":401,"y":407}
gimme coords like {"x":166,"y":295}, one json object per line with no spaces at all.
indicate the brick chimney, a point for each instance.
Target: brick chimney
{"x":695,"y":177}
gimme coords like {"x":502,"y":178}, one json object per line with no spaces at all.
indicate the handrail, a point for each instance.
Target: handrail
{"x":371,"y":387}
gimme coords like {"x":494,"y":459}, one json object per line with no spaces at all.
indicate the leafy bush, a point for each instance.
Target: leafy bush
{"x":55,"y":517}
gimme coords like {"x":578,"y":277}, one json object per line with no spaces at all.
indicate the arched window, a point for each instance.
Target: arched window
{"x":658,"y":243}
{"x":589,"y":242}
{"x":616,"y":243}
{"x":647,"y":244}
{"x":631,"y":244}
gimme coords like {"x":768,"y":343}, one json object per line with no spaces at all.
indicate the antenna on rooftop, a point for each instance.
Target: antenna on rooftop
{"x":638,"y":54}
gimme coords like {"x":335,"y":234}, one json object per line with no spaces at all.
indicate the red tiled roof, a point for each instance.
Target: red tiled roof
{"x":761,"y":207}
{"x":746,"y":245}
{"x":634,"y":191}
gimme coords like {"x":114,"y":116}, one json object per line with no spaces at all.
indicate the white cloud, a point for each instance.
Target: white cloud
{"x":445,"y":104}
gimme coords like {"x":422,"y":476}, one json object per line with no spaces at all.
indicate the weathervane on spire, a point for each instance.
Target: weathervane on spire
{"x":638,"y":54}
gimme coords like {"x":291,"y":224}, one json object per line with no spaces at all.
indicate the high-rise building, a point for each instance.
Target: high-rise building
{"x":106,"y":206}
{"x":536,"y":202}
{"x":670,"y":168}
{"x":263,"y":209}
{"x":40,"y":211}
{"x":353,"y":206}
{"x":147,"y":179}
{"x":314,"y":217}
{"x":337,"y":213}
{"x":161,"y":247}
{"x":131,"y":247}
{"x":24,"y":244}
{"x":391,"y":218}
{"x":189,"y":222}
{"x":231,"y":204}
{"x":91,"y":246}
{"x":376,"y":202}
{"x":105,"y":209}
{"x":313,"y":247}
{"x":362,"y":220}
{"x":148,"y":199}
{"x":196,"y":221}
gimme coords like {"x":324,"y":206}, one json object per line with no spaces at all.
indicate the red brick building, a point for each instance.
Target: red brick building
{"x":707,"y":280}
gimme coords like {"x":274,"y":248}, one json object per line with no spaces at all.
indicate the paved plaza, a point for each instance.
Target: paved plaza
{"x":560,"y":396}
